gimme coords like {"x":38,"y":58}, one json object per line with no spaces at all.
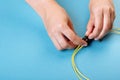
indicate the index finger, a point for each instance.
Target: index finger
{"x":73,"y":37}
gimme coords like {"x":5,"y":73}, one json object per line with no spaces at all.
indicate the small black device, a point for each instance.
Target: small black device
{"x":85,"y":38}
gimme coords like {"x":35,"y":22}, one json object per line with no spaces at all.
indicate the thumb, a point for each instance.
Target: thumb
{"x":90,"y":26}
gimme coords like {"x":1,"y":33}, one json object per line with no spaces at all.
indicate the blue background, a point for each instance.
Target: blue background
{"x":27,"y":53}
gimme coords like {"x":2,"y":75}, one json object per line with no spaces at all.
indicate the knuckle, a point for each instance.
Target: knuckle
{"x":95,"y":34}
{"x":61,"y":26}
{"x":99,"y":28}
{"x":98,"y":10}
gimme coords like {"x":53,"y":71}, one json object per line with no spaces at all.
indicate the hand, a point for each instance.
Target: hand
{"x":102,"y":16}
{"x":58,"y":25}
{"x":60,"y":28}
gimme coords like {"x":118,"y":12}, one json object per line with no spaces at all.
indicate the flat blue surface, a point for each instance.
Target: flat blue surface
{"x":27,"y":53}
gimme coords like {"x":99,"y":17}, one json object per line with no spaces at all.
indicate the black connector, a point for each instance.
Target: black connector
{"x":85,"y":38}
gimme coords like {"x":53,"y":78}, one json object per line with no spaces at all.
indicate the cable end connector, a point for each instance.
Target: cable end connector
{"x":85,"y":38}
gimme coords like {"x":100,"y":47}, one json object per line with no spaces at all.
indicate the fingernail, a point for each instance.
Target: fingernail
{"x":84,"y":44}
{"x":96,"y":38}
{"x":90,"y":37}
{"x":86,"y":34}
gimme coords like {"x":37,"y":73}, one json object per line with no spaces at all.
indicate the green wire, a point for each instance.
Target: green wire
{"x":79,"y":74}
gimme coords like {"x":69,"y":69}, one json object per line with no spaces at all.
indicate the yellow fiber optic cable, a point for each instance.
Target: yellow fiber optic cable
{"x":79,"y":74}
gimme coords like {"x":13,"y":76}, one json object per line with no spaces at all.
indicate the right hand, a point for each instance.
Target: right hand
{"x":60,"y":28}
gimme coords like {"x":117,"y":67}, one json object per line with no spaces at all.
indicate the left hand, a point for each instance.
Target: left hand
{"x":101,"y":20}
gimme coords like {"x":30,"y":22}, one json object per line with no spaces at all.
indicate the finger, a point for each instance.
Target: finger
{"x":69,"y":42}
{"x":106,"y":26}
{"x":73,"y":37}
{"x":90,"y":27}
{"x":54,"y":40}
{"x":72,"y":45}
{"x":63,"y":42}
{"x":98,"y":25}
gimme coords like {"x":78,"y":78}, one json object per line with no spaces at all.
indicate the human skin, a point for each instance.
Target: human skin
{"x":59,"y":25}
{"x":101,"y":20}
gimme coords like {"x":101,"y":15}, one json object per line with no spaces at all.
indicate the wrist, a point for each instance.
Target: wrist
{"x":40,"y":6}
